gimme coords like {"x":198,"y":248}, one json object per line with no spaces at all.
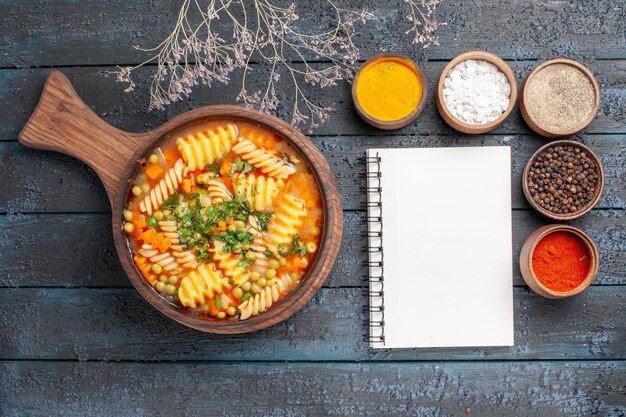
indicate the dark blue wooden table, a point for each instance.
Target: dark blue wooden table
{"x":76,"y":339}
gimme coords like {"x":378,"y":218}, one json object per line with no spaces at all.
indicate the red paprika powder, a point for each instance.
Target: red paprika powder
{"x":561,"y":261}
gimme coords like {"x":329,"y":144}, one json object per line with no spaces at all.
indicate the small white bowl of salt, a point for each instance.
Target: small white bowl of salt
{"x":476,"y":92}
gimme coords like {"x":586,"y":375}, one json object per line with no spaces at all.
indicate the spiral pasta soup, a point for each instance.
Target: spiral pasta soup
{"x":223,"y":219}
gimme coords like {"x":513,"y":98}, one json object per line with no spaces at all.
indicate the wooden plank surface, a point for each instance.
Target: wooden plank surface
{"x":117,"y":324}
{"x":67,"y":310}
{"x":94,"y":263}
{"x":129,"y":111}
{"x":555,"y":389}
{"x":62,"y":32}
{"x":36,"y":181}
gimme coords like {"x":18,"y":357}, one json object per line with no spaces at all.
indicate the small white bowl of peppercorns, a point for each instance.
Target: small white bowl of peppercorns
{"x":563,"y":180}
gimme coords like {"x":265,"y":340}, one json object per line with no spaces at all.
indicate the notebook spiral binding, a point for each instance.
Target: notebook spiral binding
{"x":375,"y":262}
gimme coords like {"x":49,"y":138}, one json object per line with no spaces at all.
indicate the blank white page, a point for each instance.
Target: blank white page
{"x":447,"y":246}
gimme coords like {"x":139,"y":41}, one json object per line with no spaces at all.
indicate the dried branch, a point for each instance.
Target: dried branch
{"x":195,"y":54}
{"x":423,"y":25}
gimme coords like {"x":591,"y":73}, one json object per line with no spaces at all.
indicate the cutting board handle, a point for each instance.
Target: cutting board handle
{"x":62,"y":122}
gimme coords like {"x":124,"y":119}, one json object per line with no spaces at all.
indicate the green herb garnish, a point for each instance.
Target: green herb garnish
{"x":263,"y":219}
{"x":234,"y":240}
{"x":171,"y":202}
{"x":213,"y":168}
{"x":246,"y":263}
{"x":240,"y":165}
{"x":246,"y":296}
{"x":297,"y":247}
{"x":218,"y":302}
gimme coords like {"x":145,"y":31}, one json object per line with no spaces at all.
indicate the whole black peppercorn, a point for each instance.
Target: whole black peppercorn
{"x":562,"y":179}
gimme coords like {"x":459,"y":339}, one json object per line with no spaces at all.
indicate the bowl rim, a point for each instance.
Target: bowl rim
{"x":329,"y":242}
{"x":559,"y":134}
{"x":555,"y":216}
{"x":529,"y":248}
{"x":390,"y":124}
{"x":502,"y":66}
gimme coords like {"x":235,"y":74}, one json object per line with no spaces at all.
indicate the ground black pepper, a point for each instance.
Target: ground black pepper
{"x":563,"y":179}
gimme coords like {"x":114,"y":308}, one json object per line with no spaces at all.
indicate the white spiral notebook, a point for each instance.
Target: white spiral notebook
{"x":440,"y":250}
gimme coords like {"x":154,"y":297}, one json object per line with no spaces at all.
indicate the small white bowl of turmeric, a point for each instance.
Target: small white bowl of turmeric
{"x":389,"y":91}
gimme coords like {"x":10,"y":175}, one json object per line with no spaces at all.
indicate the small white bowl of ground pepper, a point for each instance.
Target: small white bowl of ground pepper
{"x":559,"y":98}
{"x":563,"y":180}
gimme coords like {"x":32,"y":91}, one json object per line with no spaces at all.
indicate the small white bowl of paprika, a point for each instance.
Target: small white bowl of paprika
{"x":389,"y":91}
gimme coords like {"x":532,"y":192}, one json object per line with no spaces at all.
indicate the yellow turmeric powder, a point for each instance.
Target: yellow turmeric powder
{"x":388,"y":89}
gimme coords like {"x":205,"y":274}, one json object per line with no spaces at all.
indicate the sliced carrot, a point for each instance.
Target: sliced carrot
{"x":213,"y":310}
{"x":151,"y":279}
{"x":154,"y":171}
{"x":221,"y":226}
{"x":161,"y":242}
{"x":142,"y":265}
{"x":165,"y":244}
{"x":147,"y":236}
{"x":186,"y":184}
{"x":139,"y":222}
{"x":300,"y":262}
{"x":225,"y":169}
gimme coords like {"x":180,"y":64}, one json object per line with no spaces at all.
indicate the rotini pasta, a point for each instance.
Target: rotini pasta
{"x":216,"y":220}
{"x":262,"y":159}
{"x":267,"y":297}
{"x":201,"y":285}
{"x":288,"y":217}
{"x":164,"y":188}
{"x":186,"y":259}
{"x":258,"y":246}
{"x":207,"y":146}
{"x":229,"y":264}
{"x":165,"y":260}
{"x":218,"y":192}
{"x":259,"y":191}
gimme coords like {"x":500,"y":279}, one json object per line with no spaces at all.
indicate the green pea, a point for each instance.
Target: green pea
{"x":237,"y":293}
{"x":232,"y":228}
{"x":254,"y":276}
{"x":274,"y":264}
{"x":250,"y":255}
{"x":159,"y":286}
{"x":255,"y":289}
{"x":271,"y":282}
{"x":145,"y":188}
{"x":246,"y":286}
{"x":128,"y":215}
{"x":173,"y":280}
{"x":163,"y":278}
{"x":282,"y":261}
{"x":156,"y":268}
{"x":311,"y":247}
{"x":170,"y":289}
{"x":221,"y":315}
{"x":158,"y":215}
{"x":262,"y":282}
{"x":129,"y":227}
{"x":202,"y":179}
{"x":153,"y":159}
{"x":136,"y":190}
{"x":231,"y":311}
{"x":271,"y":273}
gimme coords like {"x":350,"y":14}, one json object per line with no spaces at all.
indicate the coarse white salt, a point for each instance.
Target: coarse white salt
{"x":475,"y":92}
